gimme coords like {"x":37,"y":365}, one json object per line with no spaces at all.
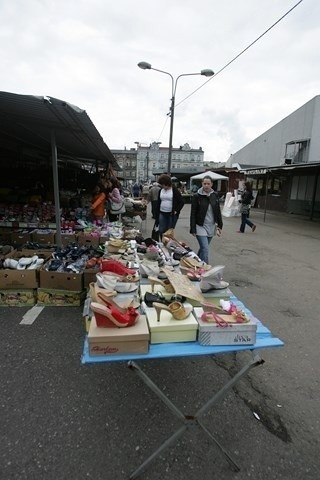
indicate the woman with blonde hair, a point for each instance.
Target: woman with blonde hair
{"x":169,"y":205}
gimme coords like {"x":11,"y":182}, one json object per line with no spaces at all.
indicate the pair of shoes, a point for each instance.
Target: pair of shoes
{"x":177,"y":310}
{"x":214,"y":314}
{"x":111,"y":316}
{"x":254,"y":227}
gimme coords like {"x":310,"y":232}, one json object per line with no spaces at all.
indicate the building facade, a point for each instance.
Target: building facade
{"x":127,"y":161}
{"x":152,"y":160}
{"x":283,"y":163}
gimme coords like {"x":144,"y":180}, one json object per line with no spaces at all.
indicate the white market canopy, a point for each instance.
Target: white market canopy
{"x":214,"y":176}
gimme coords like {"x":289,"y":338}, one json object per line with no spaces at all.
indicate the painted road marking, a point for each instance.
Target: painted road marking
{"x":31,"y":315}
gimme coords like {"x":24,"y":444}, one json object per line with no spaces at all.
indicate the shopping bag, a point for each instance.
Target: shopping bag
{"x":117,"y":208}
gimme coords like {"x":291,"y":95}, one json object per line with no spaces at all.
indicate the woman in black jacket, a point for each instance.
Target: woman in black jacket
{"x":245,"y":202}
{"x":205,"y":217}
{"x":170,"y":203}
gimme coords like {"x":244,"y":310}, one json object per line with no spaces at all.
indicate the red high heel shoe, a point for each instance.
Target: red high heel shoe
{"x":107,"y":317}
{"x":111,"y":265}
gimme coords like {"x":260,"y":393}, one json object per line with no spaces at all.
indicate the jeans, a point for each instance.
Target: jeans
{"x":245,"y":221}
{"x":203,"y":252}
{"x":166,"y":221}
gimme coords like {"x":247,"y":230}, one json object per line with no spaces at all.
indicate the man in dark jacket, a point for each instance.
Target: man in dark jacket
{"x":205,"y":217}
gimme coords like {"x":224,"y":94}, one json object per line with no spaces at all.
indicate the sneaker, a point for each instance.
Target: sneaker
{"x":254,"y":227}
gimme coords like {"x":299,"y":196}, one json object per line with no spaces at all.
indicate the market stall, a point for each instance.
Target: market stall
{"x":153,"y":302}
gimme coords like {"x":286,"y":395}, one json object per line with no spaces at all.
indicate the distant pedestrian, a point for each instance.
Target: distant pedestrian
{"x":153,"y":198}
{"x":205,"y":217}
{"x":245,"y":205}
{"x":136,"y":190}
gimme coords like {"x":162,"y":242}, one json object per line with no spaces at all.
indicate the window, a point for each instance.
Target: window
{"x":302,"y":188}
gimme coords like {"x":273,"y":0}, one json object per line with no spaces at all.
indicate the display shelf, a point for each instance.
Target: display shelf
{"x":15,"y":224}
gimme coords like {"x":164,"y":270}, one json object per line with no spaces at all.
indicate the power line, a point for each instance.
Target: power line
{"x":165,"y":123}
{"x":241,"y":53}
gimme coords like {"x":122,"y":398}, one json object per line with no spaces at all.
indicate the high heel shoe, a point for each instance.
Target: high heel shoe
{"x":164,"y":283}
{"x":94,"y":291}
{"x":109,"y":302}
{"x":151,"y":298}
{"x":212,"y":279}
{"x":114,"y":266}
{"x":107,"y":317}
{"x":177,"y":310}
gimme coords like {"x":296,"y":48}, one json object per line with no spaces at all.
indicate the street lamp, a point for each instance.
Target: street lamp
{"x":147,"y":66}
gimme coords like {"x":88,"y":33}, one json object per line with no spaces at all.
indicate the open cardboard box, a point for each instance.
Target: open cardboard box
{"x":25,"y":279}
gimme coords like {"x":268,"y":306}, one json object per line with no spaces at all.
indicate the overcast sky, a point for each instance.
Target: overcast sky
{"x":86,"y":52}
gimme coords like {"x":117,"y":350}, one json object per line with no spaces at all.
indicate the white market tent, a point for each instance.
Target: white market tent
{"x":214,"y":176}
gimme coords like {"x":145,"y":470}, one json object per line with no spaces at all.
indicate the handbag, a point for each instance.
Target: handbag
{"x":117,"y":208}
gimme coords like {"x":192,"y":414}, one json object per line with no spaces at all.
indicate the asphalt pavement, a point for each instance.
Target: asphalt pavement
{"x":62,"y":420}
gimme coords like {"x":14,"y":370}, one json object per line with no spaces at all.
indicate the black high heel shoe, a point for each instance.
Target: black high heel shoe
{"x":150,"y":298}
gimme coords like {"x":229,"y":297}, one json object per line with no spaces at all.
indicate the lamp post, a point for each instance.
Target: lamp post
{"x":147,"y":66}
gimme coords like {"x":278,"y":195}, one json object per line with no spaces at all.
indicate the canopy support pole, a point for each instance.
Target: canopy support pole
{"x":54,"y":157}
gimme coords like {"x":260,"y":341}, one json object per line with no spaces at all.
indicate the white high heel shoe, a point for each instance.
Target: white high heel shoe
{"x":212,"y":279}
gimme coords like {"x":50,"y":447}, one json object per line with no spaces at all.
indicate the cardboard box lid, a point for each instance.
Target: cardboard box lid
{"x":183,"y":285}
{"x":167,"y":322}
{"x":236,"y":327}
{"x":139,"y":331}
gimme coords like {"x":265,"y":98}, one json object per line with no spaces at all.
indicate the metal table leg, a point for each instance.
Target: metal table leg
{"x":191,"y":420}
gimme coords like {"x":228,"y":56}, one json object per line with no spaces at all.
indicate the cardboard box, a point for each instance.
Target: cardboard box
{"x":169,"y":330}
{"x":56,"y":298}
{"x":233,"y":334}
{"x":61,"y":280}
{"x":20,"y":237}
{"x":43,"y":237}
{"x":15,"y":279}
{"x":18,"y":298}
{"x":89,"y":276}
{"x":87,"y":239}
{"x":118,"y":341}
{"x":66,"y":238}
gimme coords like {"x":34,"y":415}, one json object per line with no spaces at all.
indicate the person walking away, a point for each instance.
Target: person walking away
{"x":97,"y":206}
{"x":153,"y":197}
{"x":114,"y":196}
{"x":169,"y":204}
{"x":205,"y":217}
{"x":135,"y":190}
{"x":245,"y":204}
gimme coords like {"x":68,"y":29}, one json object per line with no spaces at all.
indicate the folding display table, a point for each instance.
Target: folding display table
{"x":264,"y":339}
